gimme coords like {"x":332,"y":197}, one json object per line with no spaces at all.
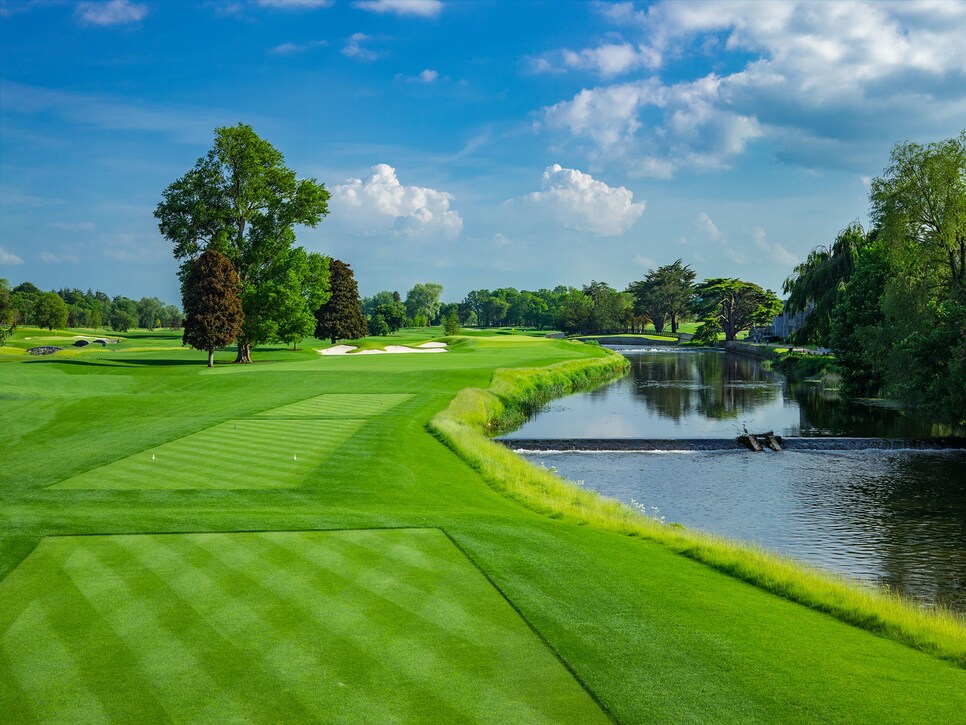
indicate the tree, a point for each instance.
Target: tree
{"x":212,"y":305}
{"x":149,"y":310}
{"x":736,"y":305}
{"x":921,"y":198}
{"x":451,"y":324}
{"x":495,"y":310}
{"x":817,"y":283}
{"x":124,"y":314}
{"x":295,"y":295}
{"x":8,"y":315}
{"x":242,"y":201}
{"x":664,"y":295}
{"x":341,"y":318}
{"x":385,"y":297}
{"x":97,"y":317}
{"x":51,"y":311}
{"x":423,"y":299}
{"x":393,"y":313}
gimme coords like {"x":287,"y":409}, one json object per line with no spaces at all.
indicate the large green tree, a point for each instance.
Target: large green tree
{"x":241,"y":200}
{"x":921,"y":200}
{"x":212,"y":305}
{"x":734,"y":304}
{"x":51,"y":311}
{"x":341,"y":318}
{"x":423,"y":300}
{"x":664,"y":295}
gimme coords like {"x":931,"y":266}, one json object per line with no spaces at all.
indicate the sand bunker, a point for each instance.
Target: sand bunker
{"x":391,"y":349}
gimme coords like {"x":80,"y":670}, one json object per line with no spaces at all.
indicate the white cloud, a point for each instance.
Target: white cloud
{"x":775,"y":252}
{"x":830,"y":84}
{"x":293,"y":48}
{"x":381,"y":204}
{"x":501,"y":240}
{"x":607,"y":59}
{"x":51,"y":258}
{"x":294,"y":4}
{"x":112,"y":12}
{"x":354,"y":48}
{"x":9,"y":257}
{"x":578,"y":201}
{"x":423,"y":8}
{"x":707,"y":227}
{"x":428,"y":76}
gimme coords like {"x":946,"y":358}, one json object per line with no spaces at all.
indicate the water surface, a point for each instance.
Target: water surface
{"x":894,"y":518}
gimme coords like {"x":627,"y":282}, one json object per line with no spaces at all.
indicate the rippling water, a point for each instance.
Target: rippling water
{"x":890,"y":517}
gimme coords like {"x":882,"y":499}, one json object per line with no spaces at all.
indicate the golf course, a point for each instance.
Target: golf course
{"x":300,"y":539}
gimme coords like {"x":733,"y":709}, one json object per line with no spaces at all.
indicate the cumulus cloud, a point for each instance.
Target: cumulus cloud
{"x":829,"y":84}
{"x":380,"y":204}
{"x":9,"y":257}
{"x":422,"y":8}
{"x":607,"y":59}
{"x":112,"y":12}
{"x":73,"y":226}
{"x":578,"y":201}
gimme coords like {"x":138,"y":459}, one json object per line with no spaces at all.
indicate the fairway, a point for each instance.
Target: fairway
{"x":348,"y":626}
{"x":237,"y":454}
{"x":338,"y":405}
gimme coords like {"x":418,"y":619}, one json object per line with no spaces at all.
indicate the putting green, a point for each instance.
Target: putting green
{"x":342,"y":626}
{"x":338,"y":405}
{"x":249,"y":453}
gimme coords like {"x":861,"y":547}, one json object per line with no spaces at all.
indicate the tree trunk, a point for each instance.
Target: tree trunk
{"x":211,"y":358}
{"x":244,"y":352}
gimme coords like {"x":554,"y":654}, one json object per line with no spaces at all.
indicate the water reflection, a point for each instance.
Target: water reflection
{"x":891,"y":517}
{"x":712,"y":394}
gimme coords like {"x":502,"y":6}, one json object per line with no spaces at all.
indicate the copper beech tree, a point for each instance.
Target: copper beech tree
{"x":212,"y":305}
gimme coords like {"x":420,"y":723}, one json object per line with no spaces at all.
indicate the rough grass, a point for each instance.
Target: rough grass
{"x":514,"y":392}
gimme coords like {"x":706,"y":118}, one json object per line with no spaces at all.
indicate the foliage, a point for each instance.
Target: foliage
{"x":423,"y":301}
{"x":241,"y":200}
{"x":213,"y":309}
{"x":394,"y":314}
{"x":8,"y":314}
{"x":921,"y":198}
{"x":51,"y":311}
{"x":340,"y":318}
{"x":451,"y":324}
{"x":378,"y":326}
{"x":816,"y":285}
{"x":708,"y":331}
{"x":664,"y":295}
{"x":858,"y":330}
{"x":736,"y":305}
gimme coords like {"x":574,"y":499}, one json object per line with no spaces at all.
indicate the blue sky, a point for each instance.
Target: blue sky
{"x":470,"y":143}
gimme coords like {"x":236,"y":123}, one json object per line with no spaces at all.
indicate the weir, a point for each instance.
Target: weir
{"x":804,"y":443}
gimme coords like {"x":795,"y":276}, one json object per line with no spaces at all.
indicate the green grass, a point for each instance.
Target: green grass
{"x":654,"y":635}
{"x":363,"y":626}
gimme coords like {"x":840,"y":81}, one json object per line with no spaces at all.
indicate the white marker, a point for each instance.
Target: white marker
{"x":152,"y":456}
{"x":295,"y":457}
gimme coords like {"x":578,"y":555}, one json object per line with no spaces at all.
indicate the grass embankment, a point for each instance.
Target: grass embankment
{"x":513,"y":393}
{"x":150,"y":594}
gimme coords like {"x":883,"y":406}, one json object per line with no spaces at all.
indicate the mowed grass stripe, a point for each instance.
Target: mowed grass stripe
{"x":238,"y":454}
{"x":339,"y":405}
{"x":361,"y":626}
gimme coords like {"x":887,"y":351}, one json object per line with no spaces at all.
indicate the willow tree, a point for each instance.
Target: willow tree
{"x":241,"y":200}
{"x":817,"y":284}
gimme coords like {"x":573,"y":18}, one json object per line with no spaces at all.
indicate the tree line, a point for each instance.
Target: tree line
{"x":27,"y":304}
{"x":890,"y":301}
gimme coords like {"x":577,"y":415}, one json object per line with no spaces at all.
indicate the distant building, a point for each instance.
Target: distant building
{"x":786,"y":324}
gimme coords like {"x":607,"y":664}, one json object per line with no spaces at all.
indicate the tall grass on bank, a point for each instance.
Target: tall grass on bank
{"x":513,"y":393}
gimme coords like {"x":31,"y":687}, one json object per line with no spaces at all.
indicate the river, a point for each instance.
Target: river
{"x":893,"y":518}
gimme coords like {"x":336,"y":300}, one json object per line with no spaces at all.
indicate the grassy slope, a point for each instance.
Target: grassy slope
{"x":655,"y":636}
